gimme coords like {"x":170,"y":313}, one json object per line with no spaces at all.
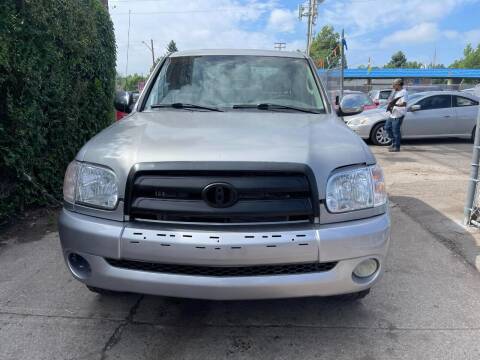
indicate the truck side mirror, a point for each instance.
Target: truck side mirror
{"x":348,"y":108}
{"x":123,"y":101}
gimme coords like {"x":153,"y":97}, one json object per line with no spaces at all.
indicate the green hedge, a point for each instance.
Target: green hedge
{"x":57,"y":78}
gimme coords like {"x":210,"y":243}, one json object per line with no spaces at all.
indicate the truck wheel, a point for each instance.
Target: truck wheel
{"x":101,"y":291}
{"x":379,"y":135}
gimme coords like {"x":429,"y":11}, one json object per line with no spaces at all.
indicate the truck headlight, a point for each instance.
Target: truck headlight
{"x":69,"y":182}
{"x":356,"y":189}
{"x":90,"y":185}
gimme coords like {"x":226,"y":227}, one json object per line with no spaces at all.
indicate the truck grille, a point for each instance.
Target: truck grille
{"x":223,"y":271}
{"x":221,"y":196}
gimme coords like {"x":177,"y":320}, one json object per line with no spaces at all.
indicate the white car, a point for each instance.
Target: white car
{"x":433,"y":114}
{"x":380,"y":97}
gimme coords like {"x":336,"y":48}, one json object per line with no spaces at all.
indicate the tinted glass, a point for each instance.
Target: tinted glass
{"x":436,"y":102}
{"x":463,"y":101}
{"x":224,"y":81}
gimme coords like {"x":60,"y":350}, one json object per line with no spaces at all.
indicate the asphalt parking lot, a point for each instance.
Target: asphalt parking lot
{"x":426,"y":307}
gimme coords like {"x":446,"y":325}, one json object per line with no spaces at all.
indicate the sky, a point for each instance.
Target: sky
{"x":374,"y":29}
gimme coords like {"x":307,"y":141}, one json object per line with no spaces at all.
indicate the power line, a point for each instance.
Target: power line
{"x":130,"y":1}
{"x":128,"y":48}
{"x":176,"y":11}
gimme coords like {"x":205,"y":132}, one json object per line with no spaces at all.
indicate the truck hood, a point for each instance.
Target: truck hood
{"x":321,"y":141}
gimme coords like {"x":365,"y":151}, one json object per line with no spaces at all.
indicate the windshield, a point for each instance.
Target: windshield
{"x":225,"y":81}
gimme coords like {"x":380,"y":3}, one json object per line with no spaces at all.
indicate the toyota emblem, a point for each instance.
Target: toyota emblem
{"x":219,"y":195}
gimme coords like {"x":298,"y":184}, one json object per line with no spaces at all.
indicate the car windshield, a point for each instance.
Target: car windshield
{"x":229,"y":81}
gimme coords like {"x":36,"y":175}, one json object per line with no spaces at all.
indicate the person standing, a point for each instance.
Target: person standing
{"x":397,"y":108}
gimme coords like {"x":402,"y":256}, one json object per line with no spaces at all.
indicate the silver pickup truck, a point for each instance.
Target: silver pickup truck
{"x":231,"y":178}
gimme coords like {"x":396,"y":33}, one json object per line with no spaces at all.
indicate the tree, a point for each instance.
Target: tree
{"x":130,"y":82}
{"x":413,"y":65}
{"x":171,"y":47}
{"x":325,"y":48}
{"x":470,"y":60}
{"x":398,"y":60}
{"x":57,"y":82}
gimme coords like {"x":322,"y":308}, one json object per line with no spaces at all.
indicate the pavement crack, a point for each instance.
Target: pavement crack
{"x":298,"y":326}
{"x":117,"y":333}
{"x":56,"y":316}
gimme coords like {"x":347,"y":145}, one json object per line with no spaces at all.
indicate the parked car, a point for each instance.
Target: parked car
{"x":352,"y":99}
{"x":473,"y":91}
{"x":380,"y":97}
{"x":431,"y":114}
{"x":134,"y":97}
{"x":358,"y":98}
{"x":231,"y":179}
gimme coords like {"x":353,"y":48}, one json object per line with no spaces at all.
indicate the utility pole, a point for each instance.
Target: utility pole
{"x":152,"y":50}
{"x":311,"y":6}
{"x":279,"y":45}
{"x":342,"y":59}
{"x":310,"y":12}
{"x":128,"y":47}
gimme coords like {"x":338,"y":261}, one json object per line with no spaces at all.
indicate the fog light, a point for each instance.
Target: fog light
{"x":366,"y":268}
{"x":79,"y":265}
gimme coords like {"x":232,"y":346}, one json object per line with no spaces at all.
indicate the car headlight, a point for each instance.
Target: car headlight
{"x":356,"y":189}
{"x":90,"y":185}
{"x":358,"y":121}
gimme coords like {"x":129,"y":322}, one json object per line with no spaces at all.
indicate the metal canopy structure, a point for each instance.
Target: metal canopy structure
{"x":410,"y":73}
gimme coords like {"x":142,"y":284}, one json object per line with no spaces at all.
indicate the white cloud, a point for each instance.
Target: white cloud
{"x":282,"y":20}
{"x":421,"y":33}
{"x":365,"y":16}
{"x":466,"y":37}
{"x":472,"y":36}
{"x":376,"y":29}
{"x":198,"y":24}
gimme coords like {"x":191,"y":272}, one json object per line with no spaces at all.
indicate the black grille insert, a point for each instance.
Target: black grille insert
{"x":223,"y":271}
{"x":261,"y":196}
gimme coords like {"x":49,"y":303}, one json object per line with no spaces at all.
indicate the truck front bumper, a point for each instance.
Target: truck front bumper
{"x":347,"y":244}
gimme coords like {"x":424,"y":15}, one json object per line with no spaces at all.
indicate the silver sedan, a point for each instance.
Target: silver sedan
{"x":433,"y":114}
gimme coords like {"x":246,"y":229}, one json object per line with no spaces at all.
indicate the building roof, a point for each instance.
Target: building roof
{"x":410,"y":73}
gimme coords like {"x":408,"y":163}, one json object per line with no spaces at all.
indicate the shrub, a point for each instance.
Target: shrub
{"x":57,"y":77}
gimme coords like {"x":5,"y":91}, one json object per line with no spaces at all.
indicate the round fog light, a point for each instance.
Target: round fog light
{"x":366,"y":268}
{"x":79,"y":265}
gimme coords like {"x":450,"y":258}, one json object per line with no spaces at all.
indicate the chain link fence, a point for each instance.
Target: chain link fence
{"x":472,"y":205}
{"x":332,"y":81}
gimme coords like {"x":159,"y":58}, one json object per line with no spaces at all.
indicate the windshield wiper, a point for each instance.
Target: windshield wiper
{"x":185,"y":106}
{"x":270,"y":106}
